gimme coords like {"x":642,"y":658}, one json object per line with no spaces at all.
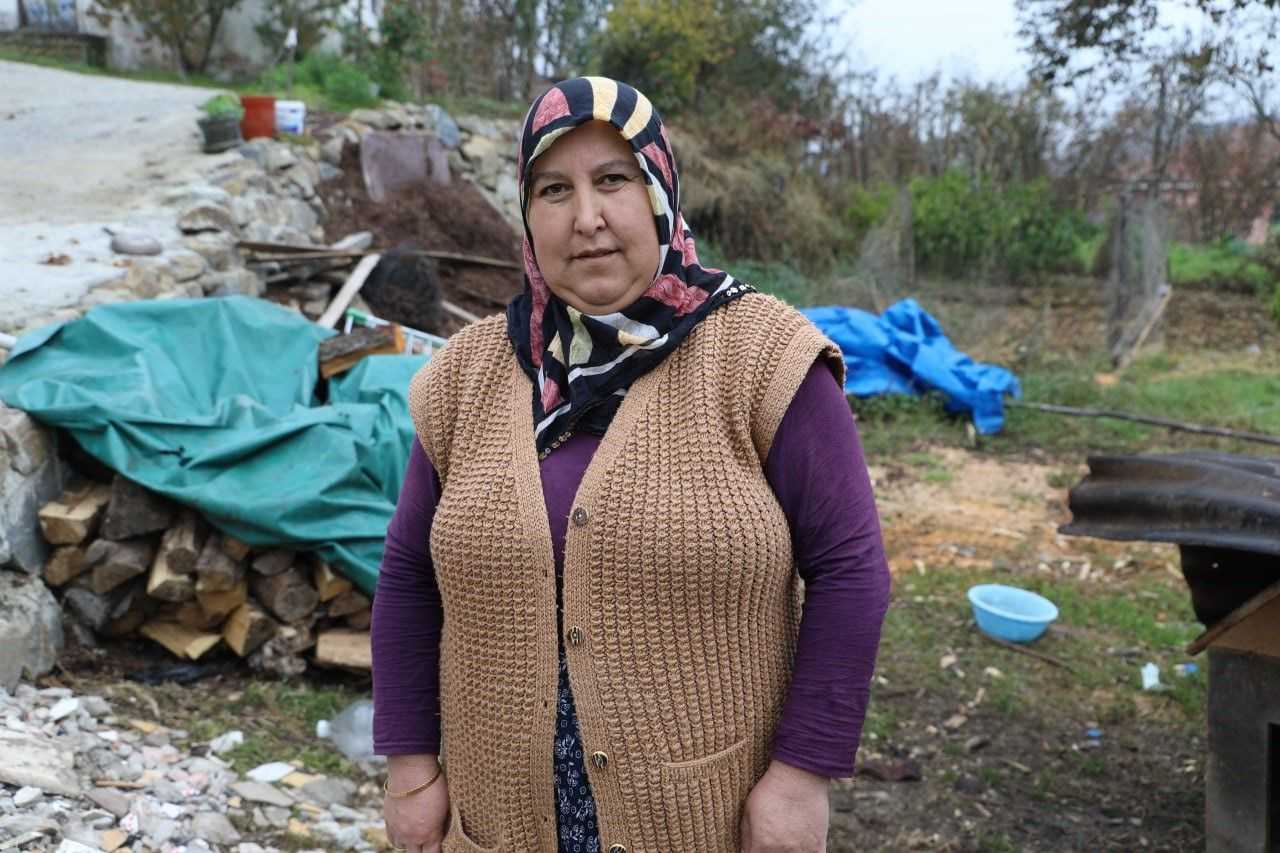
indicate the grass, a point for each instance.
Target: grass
{"x":1228,"y":264}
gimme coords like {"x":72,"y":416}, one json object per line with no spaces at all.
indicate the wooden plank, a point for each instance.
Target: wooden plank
{"x":134,"y":510}
{"x":114,"y":563}
{"x":287,"y":595}
{"x":182,"y":543}
{"x":1235,"y":617}
{"x":168,"y":585}
{"x":247,"y":628}
{"x":341,"y":353}
{"x":75,"y":515}
{"x":273,"y":561}
{"x":341,"y":647}
{"x":66,"y":563}
{"x":216,"y":570}
{"x":349,"y":289}
{"x":329,"y":584}
{"x":220,"y":602}
{"x":183,"y":642}
{"x":347,"y":603}
{"x":189,"y":614}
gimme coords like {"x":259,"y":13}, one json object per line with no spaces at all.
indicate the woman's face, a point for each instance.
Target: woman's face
{"x":591,"y":220}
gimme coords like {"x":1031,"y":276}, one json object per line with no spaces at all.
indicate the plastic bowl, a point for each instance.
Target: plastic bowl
{"x":1010,"y":613}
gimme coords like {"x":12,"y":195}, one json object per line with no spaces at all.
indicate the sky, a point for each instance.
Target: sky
{"x":910,"y":39}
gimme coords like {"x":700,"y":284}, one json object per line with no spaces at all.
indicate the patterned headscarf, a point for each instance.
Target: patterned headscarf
{"x":582,"y":365}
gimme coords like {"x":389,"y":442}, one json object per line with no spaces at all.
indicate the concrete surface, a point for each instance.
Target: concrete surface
{"x":80,"y":153}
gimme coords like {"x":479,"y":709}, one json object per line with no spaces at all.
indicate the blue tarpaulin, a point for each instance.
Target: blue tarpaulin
{"x":212,"y":402}
{"x":904,"y":351}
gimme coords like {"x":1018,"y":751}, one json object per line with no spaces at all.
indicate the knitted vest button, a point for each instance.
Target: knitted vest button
{"x":599,"y":760}
{"x":617,"y":848}
{"x":579,"y":516}
{"x":575,"y":636}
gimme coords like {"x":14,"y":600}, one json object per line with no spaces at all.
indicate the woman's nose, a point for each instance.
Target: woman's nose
{"x":588,"y":212}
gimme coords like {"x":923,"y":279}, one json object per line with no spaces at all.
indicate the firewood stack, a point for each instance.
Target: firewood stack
{"x":128,"y":561}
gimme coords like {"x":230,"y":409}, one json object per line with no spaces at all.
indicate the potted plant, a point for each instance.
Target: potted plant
{"x":220,"y":123}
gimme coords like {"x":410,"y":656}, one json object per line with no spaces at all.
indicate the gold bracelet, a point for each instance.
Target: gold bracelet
{"x":399,"y":795}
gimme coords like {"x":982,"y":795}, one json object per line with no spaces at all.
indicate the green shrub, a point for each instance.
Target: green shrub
{"x":965,"y":227}
{"x":325,"y":77}
{"x":1229,"y":264}
{"x":223,"y":105}
{"x":866,"y":208}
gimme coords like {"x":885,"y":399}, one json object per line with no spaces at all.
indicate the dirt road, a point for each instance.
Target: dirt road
{"x":77,"y":153}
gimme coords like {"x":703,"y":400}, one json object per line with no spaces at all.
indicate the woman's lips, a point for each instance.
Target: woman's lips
{"x":592,"y":255}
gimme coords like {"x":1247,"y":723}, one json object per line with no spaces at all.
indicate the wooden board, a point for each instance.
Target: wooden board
{"x":329,"y":584}
{"x":183,"y":642}
{"x":341,"y":647}
{"x":1265,"y":599}
{"x":247,"y":628}
{"x":342,"y":352}
{"x":75,"y":515}
{"x":66,"y":563}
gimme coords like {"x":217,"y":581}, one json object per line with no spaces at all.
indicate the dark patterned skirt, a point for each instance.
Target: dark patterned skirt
{"x":575,"y":807}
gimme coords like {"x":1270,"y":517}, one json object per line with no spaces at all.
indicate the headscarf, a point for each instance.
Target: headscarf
{"x":582,"y":365}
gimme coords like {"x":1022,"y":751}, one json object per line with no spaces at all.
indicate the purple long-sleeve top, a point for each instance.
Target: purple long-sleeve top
{"x":817,"y":471}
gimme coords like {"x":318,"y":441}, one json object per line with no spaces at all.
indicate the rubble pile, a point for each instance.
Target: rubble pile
{"x":127,"y":561}
{"x":78,"y":775}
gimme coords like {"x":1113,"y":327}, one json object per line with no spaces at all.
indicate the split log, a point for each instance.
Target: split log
{"x":347,"y":603}
{"x":65,"y":564}
{"x":341,"y":647}
{"x":75,"y":515}
{"x":359,"y":621}
{"x":134,"y":510}
{"x":247,"y":628}
{"x":236,"y":549}
{"x":114,"y":563}
{"x":131,"y":609}
{"x":273,"y":561}
{"x":329,"y":584}
{"x":183,"y":542}
{"x":183,"y":642}
{"x":168,"y":585}
{"x":218,"y":603}
{"x":217,"y":570}
{"x":189,"y":614}
{"x":126,"y":625}
{"x":341,"y":352}
{"x":287,"y":595}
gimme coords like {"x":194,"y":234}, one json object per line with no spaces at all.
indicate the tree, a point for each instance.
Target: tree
{"x":189,"y":28}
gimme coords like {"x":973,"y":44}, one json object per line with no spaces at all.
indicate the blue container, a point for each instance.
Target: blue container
{"x":1010,"y":613}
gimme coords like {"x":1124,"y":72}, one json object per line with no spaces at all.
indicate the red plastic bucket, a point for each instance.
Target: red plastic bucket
{"x":259,"y":116}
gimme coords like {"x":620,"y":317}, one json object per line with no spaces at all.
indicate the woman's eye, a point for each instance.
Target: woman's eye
{"x":553,"y":190}
{"x":613,"y":179}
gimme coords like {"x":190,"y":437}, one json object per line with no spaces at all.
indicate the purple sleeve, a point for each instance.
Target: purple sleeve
{"x":406,"y":622}
{"x":818,"y":472}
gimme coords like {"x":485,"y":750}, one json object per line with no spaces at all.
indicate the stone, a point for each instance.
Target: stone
{"x":26,"y":795}
{"x":217,"y":248}
{"x":301,"y":215}
{"x":111,"y":800}
{"x":207,"y":217}
{"x":327,"y":791}
{"x":236,"y":282}
{"x":64,"y":707}
{"x":272,"y":772}
{"x":135,"y":243}
{"x":373,"y":118}
{"x":30,"y":630}
{"x":331,"y":150}
{"x":69,"y":846}
{"x":260,"y":208}
{"x":23,"y":440}
{"x":261,"y":792}
{"x":446,"y":129}
{"x":39,"y":761}
{"x":186,"y":265}
{"x":354,"y":242}
{"x":192,"y":194}
{"x":214,"y":827}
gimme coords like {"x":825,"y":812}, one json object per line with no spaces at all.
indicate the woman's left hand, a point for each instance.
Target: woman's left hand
{"x":786,"y":812}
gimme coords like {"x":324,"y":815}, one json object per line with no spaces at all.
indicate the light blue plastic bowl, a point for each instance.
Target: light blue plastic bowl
{"x":1010,"y":613}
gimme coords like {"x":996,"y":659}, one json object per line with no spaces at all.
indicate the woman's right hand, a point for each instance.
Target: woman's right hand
{"x":416,"y":823}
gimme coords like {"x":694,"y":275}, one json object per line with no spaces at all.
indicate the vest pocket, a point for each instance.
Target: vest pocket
{"x":707,"y":767}
{"x":456,"y":840}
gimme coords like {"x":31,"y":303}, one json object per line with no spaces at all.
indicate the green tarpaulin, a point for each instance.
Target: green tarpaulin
{"x":213,"y":403}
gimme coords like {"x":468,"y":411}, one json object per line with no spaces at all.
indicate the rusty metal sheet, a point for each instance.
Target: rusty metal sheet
{"x":1200,"y":498}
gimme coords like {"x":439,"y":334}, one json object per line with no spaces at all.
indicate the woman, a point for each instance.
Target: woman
{"x":591,"y":583}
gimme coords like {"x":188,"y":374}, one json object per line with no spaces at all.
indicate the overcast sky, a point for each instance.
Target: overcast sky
{"x":910,"y":39}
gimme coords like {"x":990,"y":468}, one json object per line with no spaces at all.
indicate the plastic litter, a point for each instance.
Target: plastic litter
{"x":1185,"y":669}
{"x":351,"y":730}
{"x":1093,"y":733}
{"x":1151,"y":678}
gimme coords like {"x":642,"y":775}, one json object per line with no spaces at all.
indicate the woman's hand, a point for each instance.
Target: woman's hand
{"x":416,"y":823}
{"x":786,"y":812}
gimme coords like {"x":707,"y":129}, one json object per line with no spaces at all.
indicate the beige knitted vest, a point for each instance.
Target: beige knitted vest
{"x":680,"y":604}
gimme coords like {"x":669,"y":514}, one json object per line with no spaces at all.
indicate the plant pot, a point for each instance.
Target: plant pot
{"x":259,"y":116}
{"x":220,"y":133}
